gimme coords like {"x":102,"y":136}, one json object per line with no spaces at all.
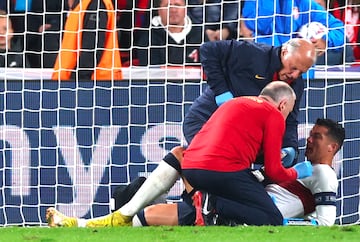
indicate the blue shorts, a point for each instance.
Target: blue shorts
{"x":186,"y":214}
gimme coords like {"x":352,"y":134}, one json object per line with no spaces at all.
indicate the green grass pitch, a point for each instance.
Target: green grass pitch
{"x":183,"y":234}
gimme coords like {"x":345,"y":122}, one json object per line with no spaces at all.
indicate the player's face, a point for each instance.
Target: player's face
{"x":172,"y":12}
{"x":319,"y":145}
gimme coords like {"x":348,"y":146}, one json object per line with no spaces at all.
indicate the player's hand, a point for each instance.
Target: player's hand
{"x":226,"y":96}
{"x":303,"y":169}
{"x":320,"y":45}
{"x":287,"y":156}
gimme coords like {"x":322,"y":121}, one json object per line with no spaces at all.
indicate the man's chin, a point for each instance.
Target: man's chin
{"x":283,"y":78}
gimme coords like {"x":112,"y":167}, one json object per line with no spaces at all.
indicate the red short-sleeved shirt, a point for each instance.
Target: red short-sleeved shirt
{"x":235,"y":134}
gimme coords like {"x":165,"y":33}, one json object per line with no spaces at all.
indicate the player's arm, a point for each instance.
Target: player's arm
{"x":325,"y":214}
{"x":324,"y":187}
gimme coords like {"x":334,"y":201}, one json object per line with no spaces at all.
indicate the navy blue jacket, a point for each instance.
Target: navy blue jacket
{"x":243,"y":68}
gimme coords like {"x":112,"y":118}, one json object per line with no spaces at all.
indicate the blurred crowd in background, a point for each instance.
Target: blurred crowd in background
{"x":160,"y":32}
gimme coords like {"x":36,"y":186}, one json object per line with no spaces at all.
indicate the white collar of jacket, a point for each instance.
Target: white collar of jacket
{"x":178,"y":37}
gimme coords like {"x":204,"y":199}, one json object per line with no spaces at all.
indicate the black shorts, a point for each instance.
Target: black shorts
{"x":186,"y":211}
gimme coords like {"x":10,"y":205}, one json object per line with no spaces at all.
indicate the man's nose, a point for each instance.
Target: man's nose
{"x":295,"y":74}
{"x":309,"y":139}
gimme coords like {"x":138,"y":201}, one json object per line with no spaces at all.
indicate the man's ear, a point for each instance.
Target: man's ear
{"x":284,"y":52}
{"x":333,"y":147}
{"x":282,"y":104}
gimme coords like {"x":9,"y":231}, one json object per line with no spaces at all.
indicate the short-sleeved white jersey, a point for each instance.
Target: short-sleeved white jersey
{"x":314,"y":196}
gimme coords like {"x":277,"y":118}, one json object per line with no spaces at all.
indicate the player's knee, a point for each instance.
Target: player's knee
{"x":174,"y":158}
{"x":178,"y":152}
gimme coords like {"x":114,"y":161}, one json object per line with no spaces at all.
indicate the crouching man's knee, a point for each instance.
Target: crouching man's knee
{"x":178,"y":152}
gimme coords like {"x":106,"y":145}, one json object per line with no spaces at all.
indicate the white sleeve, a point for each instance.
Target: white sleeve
{"x":323,"y":185}
{"x":325,"y":215}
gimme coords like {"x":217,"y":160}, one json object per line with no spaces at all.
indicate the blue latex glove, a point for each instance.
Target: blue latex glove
{"x":226,"y":96}
{"x":287,"y":156}
{"x":303,"y":169}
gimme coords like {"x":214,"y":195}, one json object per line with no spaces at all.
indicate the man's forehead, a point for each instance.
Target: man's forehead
{"x":317,"y":129}
{"x":300,"y":62}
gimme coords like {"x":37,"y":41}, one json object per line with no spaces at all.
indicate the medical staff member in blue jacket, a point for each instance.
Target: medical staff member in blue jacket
{"x":274,"y":22}
{"x":241,"y":68}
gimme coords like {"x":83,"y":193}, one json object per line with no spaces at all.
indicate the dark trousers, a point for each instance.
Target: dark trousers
{"x":247,"y":195}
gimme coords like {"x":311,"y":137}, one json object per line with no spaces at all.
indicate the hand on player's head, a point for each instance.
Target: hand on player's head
{"x":320,"y":46}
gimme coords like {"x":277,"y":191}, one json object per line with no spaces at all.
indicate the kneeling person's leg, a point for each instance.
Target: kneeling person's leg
{"x":159,"y":181}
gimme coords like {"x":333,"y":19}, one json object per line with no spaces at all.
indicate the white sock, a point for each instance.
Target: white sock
{"x":159,"y":181}
{"x":82,"y":222}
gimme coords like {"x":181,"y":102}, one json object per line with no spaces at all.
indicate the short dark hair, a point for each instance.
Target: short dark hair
{"x":335,"y":130}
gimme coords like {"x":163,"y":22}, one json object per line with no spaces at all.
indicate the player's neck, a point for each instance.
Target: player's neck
{"x":323,"y":162}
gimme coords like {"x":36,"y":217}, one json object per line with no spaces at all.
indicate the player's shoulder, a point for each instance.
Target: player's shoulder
{"x":324,"y":178}
{"x":323,"y":169}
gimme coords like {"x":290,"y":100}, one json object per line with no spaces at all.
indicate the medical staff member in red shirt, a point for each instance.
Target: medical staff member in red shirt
{"x":219,"y":158}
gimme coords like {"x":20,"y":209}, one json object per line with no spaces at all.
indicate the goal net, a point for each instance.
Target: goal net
{"x":69,"y":144}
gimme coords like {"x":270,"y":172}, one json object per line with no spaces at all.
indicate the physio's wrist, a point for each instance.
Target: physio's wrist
{"x":226,"y":96}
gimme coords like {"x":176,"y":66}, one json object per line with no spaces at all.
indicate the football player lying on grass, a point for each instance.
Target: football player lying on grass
{"x":312,"y":198}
